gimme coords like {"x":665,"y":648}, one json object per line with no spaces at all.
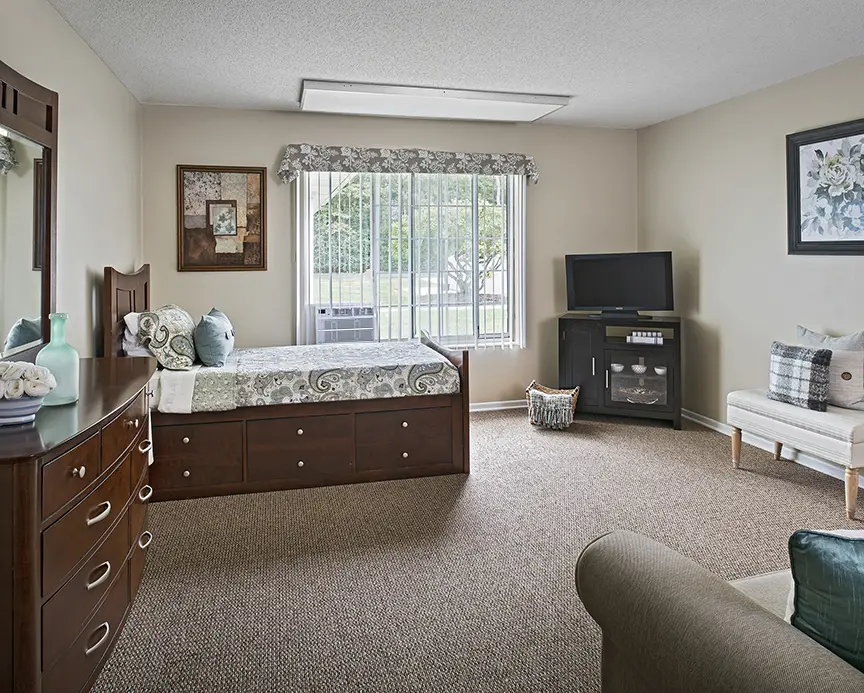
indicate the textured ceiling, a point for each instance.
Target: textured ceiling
{"x":627,"y":63}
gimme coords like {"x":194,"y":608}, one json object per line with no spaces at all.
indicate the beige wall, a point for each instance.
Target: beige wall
{"x":585,"y":202}
{"x":712,"y":188}
{"x":99,"y":157}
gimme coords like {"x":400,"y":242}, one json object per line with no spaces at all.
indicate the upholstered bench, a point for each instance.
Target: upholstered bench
{"x":836,"y":435}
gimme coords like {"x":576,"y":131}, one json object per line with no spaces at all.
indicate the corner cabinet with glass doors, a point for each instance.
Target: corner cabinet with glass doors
{"x":623,"y":366}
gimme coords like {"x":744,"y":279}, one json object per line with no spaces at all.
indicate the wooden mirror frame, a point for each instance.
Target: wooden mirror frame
{"x":30,"y":110}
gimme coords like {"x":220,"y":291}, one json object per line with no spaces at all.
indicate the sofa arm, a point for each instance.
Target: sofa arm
{"x":680,"y":628}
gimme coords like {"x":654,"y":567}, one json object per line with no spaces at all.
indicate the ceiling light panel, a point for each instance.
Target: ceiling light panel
{"x":420,"y":102}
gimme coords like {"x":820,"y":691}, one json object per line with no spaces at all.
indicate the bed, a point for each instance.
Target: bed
{"x":295,"y":417}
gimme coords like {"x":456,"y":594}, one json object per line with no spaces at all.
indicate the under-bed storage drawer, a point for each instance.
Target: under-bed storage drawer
{"x":298,"y":448}
{"x":197,"y":455}
{"x":407,"y":438}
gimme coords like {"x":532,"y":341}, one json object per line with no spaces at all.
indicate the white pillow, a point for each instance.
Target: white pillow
{"x":851,"y":534}
{"x":131,"y":320}
{"x":850,"y":342}
{"x":131,"y":347}
{"x":846,"y":379}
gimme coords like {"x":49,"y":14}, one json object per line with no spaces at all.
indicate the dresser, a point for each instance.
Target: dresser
{"x":74,"y":489}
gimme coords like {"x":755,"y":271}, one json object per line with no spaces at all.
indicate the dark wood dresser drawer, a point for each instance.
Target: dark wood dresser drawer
{"x":197,"y":455}
{"x":118,"y":434}
{"x":69,"y":539}
{"x":69,"y":475}
{"x":140,"y":501}
{"x":141,"y":544}
{"x":64,"y":614}
{"x":407,"y":438}
{"x":300,"y":447}
{"x":140,"y":452}
{"x":76,"y":666}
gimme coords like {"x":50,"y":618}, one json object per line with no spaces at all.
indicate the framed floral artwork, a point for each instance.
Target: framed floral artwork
{"x":221,"y":215}
{"x":825,"y":189}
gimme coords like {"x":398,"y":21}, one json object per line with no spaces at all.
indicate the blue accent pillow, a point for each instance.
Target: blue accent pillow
{"x":23,"y":332}
{"x":828,"y":576}
{"x":214,"y":338}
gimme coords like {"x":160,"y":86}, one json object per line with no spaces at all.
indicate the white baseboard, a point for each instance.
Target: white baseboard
{"x":496,"y":406}
{"x":801,"y":458}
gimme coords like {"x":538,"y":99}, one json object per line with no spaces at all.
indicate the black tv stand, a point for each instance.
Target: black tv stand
{"x":616,"y":376}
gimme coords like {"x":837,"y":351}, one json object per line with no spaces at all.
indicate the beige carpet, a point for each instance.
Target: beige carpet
{"x":450,"y":583}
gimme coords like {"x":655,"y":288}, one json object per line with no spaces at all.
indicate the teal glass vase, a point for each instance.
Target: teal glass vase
{"x":61,"y":359}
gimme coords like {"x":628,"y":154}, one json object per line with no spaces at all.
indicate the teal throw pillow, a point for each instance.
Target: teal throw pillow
{"x":23,"y":332}
{"x":828,"y":576}
{"x":214,"y":338}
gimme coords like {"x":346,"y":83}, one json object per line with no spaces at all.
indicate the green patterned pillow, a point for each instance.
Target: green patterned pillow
{"x":828,"y":597}
{"x":168,"y":333}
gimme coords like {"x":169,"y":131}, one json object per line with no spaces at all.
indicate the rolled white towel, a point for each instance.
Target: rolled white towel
{"x":14,"y":371}
{"x":36,"y":388}
{"x":14,"y":388}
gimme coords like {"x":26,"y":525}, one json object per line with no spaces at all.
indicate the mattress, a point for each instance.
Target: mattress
{"x":316,"y":373}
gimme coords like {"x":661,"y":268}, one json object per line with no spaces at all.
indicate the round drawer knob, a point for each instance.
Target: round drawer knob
{"x":404,"y":455}
{"x":79,"y":471}
{"x":299,"y":431}
{"x":185,"y":441}
{"x":186,"y":473}
{"x":300,"y":463}
{"x":404,"y":424}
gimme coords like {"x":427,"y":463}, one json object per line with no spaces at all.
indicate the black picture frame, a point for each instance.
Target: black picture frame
{"x":794,"y":144}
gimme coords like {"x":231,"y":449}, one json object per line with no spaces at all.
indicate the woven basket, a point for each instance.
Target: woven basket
{"x":574,"y":395}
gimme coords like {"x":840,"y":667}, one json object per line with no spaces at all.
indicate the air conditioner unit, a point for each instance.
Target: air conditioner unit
{"x":345,"y":324}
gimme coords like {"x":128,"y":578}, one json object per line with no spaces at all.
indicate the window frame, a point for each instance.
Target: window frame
{"x":514,"y":334}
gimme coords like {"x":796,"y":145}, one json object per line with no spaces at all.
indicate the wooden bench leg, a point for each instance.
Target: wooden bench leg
{"x":736,"y":447}
{"x":851,"y":491}
{"x":778,"y":450}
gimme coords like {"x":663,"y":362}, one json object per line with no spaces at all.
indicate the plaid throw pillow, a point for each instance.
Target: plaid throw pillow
{"x":799,"y":376}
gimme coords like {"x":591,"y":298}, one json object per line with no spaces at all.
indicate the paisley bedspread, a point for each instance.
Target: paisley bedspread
{"x":316,"y":373}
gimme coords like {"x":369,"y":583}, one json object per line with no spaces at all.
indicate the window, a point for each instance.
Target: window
{"x":408,"y":252}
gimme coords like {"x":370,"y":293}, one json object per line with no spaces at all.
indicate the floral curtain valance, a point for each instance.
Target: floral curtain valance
{"x":319,"y":157}
{"x":7,"y":156}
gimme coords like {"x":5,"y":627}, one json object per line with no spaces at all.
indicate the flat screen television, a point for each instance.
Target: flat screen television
{"x":620,"y":283}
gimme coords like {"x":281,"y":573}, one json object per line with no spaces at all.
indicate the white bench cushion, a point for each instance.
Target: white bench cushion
{"x":836,"y":435}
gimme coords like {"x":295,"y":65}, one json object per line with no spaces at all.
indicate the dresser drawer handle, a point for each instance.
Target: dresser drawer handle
{"x":101,"y":516}
{"x":404,"y":424}
{"x":133,"y":423}
{"x":79,"y":471}
{"x":405,"y":455}
{"x":145,"y":446}
{"x":145,"y":539}
{"x":107,"y":627}
{"x":145,"y":493}
{"x":186,"y":473}
{"x":185,"y":441}
{"x":300,"y":463}
{"x":102,"y":578}
{"x":299,"y":431}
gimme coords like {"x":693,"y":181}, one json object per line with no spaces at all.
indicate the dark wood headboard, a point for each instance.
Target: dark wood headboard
{"x":122,"y":294}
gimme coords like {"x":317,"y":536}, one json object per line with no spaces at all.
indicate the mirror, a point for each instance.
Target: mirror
{"x":22,"y":242}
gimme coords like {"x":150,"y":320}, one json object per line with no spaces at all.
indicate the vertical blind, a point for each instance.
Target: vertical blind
{"x":437,"y":252}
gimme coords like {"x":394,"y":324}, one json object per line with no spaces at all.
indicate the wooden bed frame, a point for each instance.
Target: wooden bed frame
{"x":285,"y":446}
